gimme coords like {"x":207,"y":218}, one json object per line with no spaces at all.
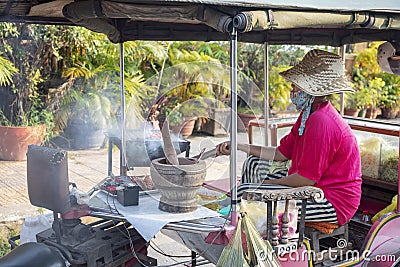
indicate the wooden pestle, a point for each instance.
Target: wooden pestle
{"x":169,"y":150}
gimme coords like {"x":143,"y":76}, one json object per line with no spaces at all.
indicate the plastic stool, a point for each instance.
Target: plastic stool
{"x":316,"y":236}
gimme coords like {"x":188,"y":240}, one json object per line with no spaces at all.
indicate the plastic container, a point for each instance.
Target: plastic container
{"x":34,"y":225}
{"x":366,"y":217}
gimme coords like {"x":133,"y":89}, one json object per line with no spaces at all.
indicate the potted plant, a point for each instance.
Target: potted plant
{"x":25,"y":117}
{"x":85,"y":111}
{"x":246,"y":114}
{"x":389,"y":99}
{"x":367,"y":81}
{"x":182,"y":116}
{"x":351,"y":107}
{"x":188,"y":83}
{"x":89,"y":103}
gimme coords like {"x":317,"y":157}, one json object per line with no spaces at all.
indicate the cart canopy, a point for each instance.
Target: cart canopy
{"x":325,"y":22}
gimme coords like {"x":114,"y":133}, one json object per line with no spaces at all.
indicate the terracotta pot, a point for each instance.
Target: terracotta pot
{"x":389,"y":113}
{"x":178,"y":184}
{"x":14,"y":141}
{"x":244,"y":121}
{"x":371,"y":113}
{"x":186,"y":129}
{"x":351,"y":112}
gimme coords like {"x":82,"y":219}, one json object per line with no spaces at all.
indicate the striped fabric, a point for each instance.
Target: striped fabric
{"x":256,"y":170}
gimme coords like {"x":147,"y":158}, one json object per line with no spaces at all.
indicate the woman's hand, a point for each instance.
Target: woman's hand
{"x":223,"y":149}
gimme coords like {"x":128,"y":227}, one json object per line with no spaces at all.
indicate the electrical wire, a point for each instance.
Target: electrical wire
{"x":161,"y":252}
{"x":202,"y":253}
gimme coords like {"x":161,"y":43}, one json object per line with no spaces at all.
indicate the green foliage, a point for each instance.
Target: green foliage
{"x":192,"y":78}
{"x":30,"y":49}
{"x":175,"y":117}
{"x":279,"y":89}
{"x":92,"y":92}
{"x":7,"y":70}
{"x":390,"y":92}
{"x":4,"y":245}
{"x":374,"y":88}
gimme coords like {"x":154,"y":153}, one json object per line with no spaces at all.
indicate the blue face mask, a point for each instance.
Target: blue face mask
{"x":303,"y":102}
{"x":300,"y":99}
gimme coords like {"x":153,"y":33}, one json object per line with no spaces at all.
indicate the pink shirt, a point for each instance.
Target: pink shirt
{"x":328,"y":154}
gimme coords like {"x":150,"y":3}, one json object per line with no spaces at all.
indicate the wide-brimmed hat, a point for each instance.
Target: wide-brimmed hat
{"x":320,"y":73}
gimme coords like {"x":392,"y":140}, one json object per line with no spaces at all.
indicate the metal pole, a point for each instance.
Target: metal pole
{"x":122,"y":125}
{"x":233,"y":136}
{"x":266,"y":94}
{"x":343,"y":56}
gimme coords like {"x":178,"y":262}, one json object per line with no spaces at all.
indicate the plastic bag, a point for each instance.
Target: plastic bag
{"x":257,"y":212}
{"x":82,"y":198}
{"x":370,"y":155}
{"x":260,"y":251}
{"x":232,"y":255}
{"x":388,"y":209}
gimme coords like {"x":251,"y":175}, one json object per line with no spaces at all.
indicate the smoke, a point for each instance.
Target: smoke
{"x":195,"y":89}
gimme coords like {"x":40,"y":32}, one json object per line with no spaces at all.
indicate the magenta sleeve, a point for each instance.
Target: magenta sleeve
{"x":288,"y":142}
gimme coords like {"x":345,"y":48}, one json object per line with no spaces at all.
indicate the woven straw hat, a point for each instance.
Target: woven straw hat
{"x":320,"y":73}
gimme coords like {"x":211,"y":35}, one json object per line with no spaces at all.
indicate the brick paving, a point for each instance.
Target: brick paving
{"x":85,"y":168}
{"x":88,"y":167}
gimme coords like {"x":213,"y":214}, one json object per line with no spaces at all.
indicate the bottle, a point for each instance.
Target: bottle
{"x":366,"y":217}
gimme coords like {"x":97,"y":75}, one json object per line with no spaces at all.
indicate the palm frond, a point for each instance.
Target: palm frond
{"x":7,"y":70}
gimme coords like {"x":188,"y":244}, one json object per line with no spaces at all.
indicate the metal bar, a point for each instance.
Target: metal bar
{"x":374,"y":130}
{"x":274,"y":135}
{"x":266,"y":93}
{"x":191,"y":229}
{"x":269,"y":220}
{"x":122,"y":95}
{"x":110,"y":147}
{"x":57,"y":227}
{"x":233,"y":133}
{"x":179,"y":226}
{"x":193,"y":255}
{"x":343,"y":56}
{"x":107,"y":215}
{"x":302,"y":222}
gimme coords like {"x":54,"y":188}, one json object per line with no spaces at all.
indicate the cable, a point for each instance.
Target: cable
{"x":199,"y":254}
{"x":159,"y":250}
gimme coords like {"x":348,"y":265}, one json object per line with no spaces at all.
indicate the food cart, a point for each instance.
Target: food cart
{"x":334,"y":23}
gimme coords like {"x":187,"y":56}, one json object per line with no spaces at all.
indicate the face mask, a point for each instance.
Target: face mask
{"x":303,"y":102}
{"x":300,"y":99}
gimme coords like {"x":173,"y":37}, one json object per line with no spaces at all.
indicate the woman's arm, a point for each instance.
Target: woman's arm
{"x":293,"y":180}
{"x":264,"y":152}
{"x":268,"y":153}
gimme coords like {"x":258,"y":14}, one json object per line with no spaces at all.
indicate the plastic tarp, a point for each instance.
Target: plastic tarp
{"x":280,"y":22}
{"x":96,"y":15}
{"x":263,"y":20}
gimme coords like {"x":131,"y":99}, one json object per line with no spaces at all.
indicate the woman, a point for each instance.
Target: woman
{"x":321,"y":145}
